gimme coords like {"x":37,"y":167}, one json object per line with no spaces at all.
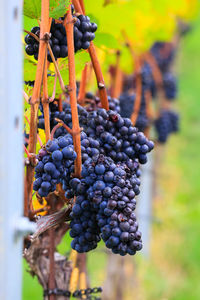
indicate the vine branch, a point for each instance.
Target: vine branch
{"x":83,"y":83}
{"x":96,"y":65}
{"x":36,"y":96}
{"x":72,"y":91}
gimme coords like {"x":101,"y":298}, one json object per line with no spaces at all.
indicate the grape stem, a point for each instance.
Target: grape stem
{"x":149,"y":112}
{"x":57,"y":69}
{"x":45,"y":103}
{"x":60,"y":106}
{"x":38,"y":137}
{"x":72,"y":90}
{"x":82,"y":6}
{"x":96,"y":65}
{"x":54,"y":89}
{"x":157,"y":76}
{"x":138,"y":96}
{"x":118,"y":80}
{"x":137,"y":66}
{"x":62,"y":124}
{"x":26,"y":97}
{"x":83,"y":84}
{"x":27,"y":152}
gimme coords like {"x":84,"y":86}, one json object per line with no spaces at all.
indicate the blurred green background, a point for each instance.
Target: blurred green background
{"x":172,"y":272}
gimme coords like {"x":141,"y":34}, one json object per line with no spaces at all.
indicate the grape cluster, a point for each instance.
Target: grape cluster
{"x":127,"y":102}
{"x":83,"y":35}
{"x":128,"y":83}
{"x":55,"y":161}
{"x":64,"y":115}
{"x":147,"y":77}
{"x":92,"y":103}
{"x":109,"y":201}
{"x":164,"y":54}
{"x":165,"y":124}
{"x":105,"y":194}
{"x":117,"y":137}
{"x":170,"y":85}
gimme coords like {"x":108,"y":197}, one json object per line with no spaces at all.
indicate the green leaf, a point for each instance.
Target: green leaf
{"x":29,"y":23}
{"x":106,"y":39}
{"x":30,"y":66}
{"x":81,"y":58}
{"x":58,"y":8}
{"x":32,"y":8}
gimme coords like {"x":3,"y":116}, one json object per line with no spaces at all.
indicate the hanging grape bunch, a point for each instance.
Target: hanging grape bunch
{"x":83,"y":35}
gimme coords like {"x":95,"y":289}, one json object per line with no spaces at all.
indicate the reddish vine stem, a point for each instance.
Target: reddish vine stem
{"x":38,"y":137}
{"x":157,"y":75}
{"x":60,"y":106}
{"x":77,"y":6}
{"x":82,"y":90}
{"x":82,"y":6}
{"x":45,"y":103}
{"x":27,"y":152}
{"x":54,"y":89}
{"x":57,"y":69}
{"x":138,"y":96}
{"x":36,"y":95}
{"x":149,"y":111}
{"x":99,"y":77}
{"x":96,"y":65}
{"x":61,"y":123}
{"x":26,"y":97}
{"x":137,"y":64}
{"x":54,"y":130}
{"x":117,"y":88}
{"x":148,"y":98}
{"x":45,"y":98}
{"x":68,"y":23}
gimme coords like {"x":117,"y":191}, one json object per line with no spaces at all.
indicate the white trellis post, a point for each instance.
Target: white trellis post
{"x":144,"y":205}
{"x":12,"y":224}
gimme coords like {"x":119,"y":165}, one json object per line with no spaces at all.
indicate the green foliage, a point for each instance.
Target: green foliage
{"x":58,"y":8}
{"x":30,"y":66}
{"x":81,"y":58}
{"x":106,"y":40}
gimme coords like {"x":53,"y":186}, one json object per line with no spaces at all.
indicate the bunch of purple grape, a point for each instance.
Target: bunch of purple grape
{"x":166,"y":124}
{"x":93,"y":102}
{"x":112,"y":150}
{"x":83,"y":35}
